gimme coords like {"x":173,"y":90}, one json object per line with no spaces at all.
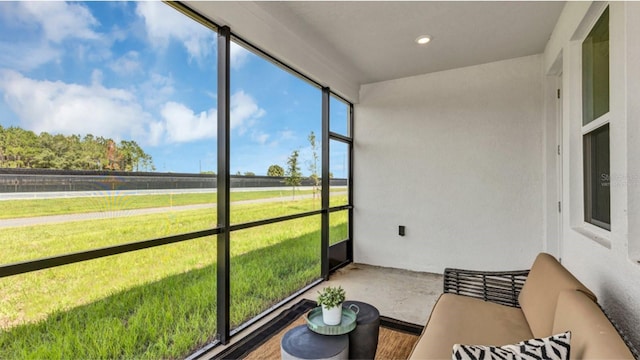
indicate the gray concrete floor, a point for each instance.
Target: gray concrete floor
{"x":399,"y":294}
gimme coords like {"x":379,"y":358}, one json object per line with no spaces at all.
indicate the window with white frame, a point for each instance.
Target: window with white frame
{"x":595,"y":124}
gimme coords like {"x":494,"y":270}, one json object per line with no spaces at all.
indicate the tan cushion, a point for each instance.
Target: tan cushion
{"x":539,"y":294}
{"x":592,"y":335}
{"x":461,"y":319}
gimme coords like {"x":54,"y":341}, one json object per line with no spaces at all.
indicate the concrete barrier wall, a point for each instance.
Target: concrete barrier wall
{"x":41,"y":180}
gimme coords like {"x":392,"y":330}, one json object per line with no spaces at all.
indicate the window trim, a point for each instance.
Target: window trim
{"x":596,"y":124}
{"x":593,"y":226}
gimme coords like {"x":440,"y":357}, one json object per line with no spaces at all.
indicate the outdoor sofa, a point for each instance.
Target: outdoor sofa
{"x":494,"y":309}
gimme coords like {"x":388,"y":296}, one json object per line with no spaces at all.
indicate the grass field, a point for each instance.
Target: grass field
{"x":43,"y":207}
{"x":154,"y":303}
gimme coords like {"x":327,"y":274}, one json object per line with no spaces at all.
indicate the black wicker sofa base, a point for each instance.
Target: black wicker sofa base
{"x":501,"y":308}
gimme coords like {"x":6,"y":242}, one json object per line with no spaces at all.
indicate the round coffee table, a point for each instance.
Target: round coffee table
{"x":363,"y":340}
{"x":302,"y":343}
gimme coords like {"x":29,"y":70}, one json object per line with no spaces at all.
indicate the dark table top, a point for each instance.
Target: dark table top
{"x":368,"y":313}
{"x":305,"y":344}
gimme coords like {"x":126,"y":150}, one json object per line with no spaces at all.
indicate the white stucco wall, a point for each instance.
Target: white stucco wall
{"x":456,"y":157}
{"x":605,"y":261}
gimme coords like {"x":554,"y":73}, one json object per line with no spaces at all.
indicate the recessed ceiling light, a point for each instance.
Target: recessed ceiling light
{"x":423,"y":39}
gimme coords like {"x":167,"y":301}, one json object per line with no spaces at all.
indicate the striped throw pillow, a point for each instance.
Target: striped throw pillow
{"x":556,"y":347}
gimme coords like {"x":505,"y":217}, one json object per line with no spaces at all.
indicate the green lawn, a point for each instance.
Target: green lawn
{"x":170,"y":317}
{"x":33,"y":242}
{"x":153,"y":303}
{"x":61,"y":206}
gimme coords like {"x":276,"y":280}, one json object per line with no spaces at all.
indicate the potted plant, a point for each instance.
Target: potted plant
{"x":331,"y":299}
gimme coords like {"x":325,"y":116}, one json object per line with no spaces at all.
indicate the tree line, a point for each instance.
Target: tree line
{"x":21,"y":148}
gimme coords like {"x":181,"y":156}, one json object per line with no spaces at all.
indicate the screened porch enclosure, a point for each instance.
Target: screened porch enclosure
{"x":169,"y":262}
{"x":498,"y":140}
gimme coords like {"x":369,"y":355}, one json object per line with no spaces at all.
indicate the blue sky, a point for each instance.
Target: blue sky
{"x":145,"y":72}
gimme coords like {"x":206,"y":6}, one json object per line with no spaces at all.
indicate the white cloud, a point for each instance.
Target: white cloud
{"x":25,"y":56}
{"x":183,"y":125}
{"x":284,"y":136}
{"x":96,"y":78}
{"x":287,"y":135}
{"x":244,"y":109}
{"x":45,"y":27}
{"x":164,"y":23}
{"x":60,"y":20}
{"x":58,"y":107}
{"x":260,"y":137}
{"x":156,"y":133}
{"x":238,"y":55}
{"x":127,"y":64}
{"x":157,"y":90}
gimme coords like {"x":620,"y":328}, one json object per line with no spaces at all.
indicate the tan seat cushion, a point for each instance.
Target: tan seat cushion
{"x":464,"y":320}
{"x":539,"y":294}
{"x":592,"y":335}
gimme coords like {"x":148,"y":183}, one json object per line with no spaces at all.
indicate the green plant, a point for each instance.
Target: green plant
{"x":331,"y":297}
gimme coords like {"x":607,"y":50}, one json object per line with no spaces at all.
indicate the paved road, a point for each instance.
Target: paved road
{"x":75,"y":194}
{"x":53,"y":219}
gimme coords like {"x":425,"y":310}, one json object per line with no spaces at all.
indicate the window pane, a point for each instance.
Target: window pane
{"x":339,"y":117}
{"x":269,"y":263}
{"x":595,"y":71}
{"x":111,"y":129}
{"x":273,"y":116}
{"x":36,"y":241}
{"x":156,"y":303}
{"x":338,"y":173}
{"x":338,"y":226}
{"x":597,"y":179}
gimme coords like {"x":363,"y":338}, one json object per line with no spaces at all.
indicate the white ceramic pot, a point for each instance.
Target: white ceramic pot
{"x":332,"y":316}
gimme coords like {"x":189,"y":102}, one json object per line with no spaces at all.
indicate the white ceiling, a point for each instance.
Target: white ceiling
{"x":374,"y":40}
{"x":377,"y":38}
